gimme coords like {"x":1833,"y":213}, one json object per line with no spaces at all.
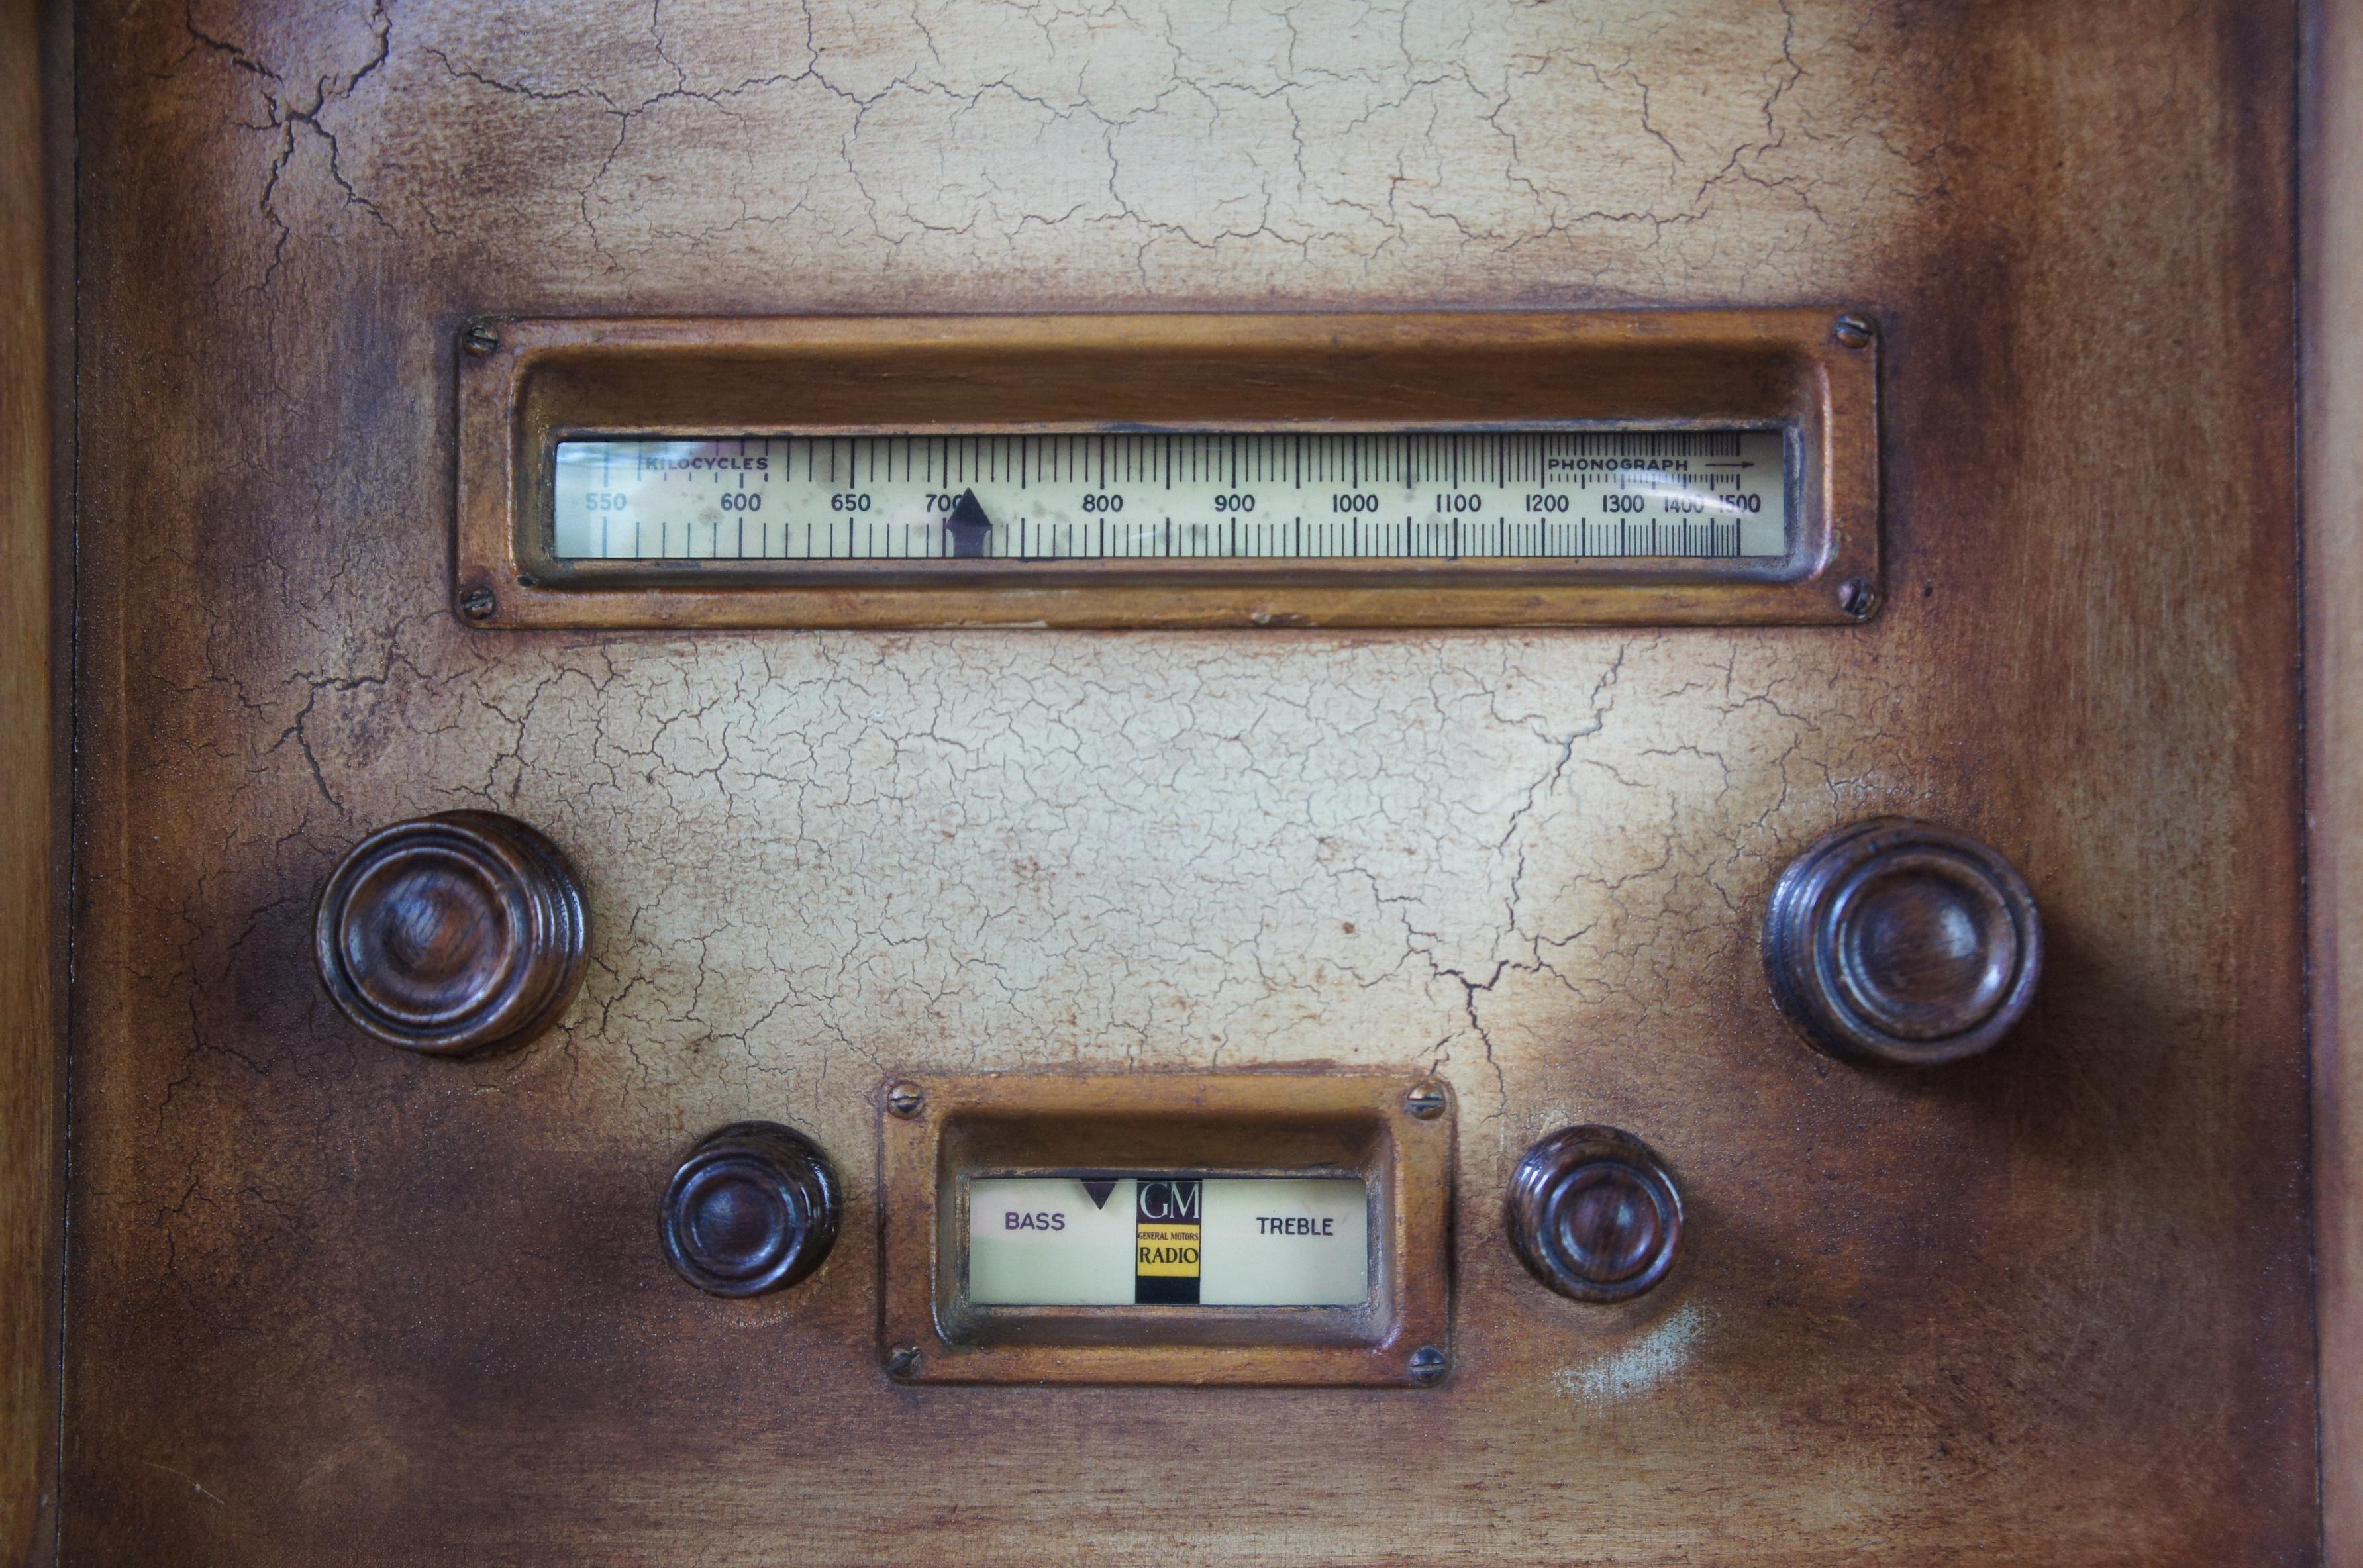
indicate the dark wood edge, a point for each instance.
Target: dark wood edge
{"x":1418,"y":1242}
{"x":1831,"y":404}
{"x":35,"y":273}
{"x":2330,"y":322}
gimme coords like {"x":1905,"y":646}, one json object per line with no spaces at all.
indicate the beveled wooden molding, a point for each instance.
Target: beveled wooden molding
{"x":2331,"y":348}
{"x":31,"y":1217}
{"x":526,"y":385}
{"x":933,"y":1131}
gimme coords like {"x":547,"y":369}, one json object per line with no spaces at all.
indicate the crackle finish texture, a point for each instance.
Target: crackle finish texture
{"x":332,"y":1303}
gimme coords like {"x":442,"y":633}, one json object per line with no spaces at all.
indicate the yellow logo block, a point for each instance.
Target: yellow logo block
{"x":1169,"y":1249}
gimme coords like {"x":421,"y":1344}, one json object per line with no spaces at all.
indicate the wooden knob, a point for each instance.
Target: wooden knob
{"x":754,"y":1208}
{"x":451,"y":934}
{"x":1899,"y":942}
{"x":1594,"y":1214}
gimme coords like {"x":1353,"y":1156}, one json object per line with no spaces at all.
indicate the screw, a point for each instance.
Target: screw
{"x":1858,"y":598}
{"x":1429,"y":1364}
{"x":479,"y":339}
{"x":1855,"y":331}
{"x":903,"y":1360}
{"x":904,"y":1099}
{"x":1426,"y":1101}
{"x":477,"y":603}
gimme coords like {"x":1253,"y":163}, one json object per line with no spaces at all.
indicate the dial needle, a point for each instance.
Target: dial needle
{"x":969,"y":526}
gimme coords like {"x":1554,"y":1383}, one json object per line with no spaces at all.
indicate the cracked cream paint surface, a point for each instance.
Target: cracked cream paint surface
{"x":370,"y":1304}
{"x":822,"y":869}
{"x":810,"y":853}
{"x":1433,"y":151}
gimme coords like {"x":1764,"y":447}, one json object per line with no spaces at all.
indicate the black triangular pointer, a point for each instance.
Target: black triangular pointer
{"x":970,"y":527}
{"x":1099,"y":1187}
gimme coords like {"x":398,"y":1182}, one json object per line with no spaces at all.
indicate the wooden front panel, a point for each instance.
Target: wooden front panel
{"x":330,"y":1302}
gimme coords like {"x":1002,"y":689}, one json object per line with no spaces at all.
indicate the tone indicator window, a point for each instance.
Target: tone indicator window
{"x":1499,"y":495}
{"x":1183,"y":1239}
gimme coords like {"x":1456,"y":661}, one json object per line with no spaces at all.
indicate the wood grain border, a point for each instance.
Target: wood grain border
{"x":31,"y":1217}
{"x":2331,"y":349}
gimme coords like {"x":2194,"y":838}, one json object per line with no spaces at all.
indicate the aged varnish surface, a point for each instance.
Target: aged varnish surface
{"x":333,"y":1301}
{"x":31,"y":823}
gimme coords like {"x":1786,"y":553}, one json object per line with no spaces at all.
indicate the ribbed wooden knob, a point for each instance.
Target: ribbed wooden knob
{"x":451,"y":934}
{"x":1897,"y":942}
{"x":754,"y":1208}
{"x":1595,"y":1215}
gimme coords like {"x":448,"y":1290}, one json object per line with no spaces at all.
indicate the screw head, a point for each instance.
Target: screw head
{"x":904,"y":1099}
{"x":903,"y":1360}
{"x":477,"y":603}
{"x":1429,"y":1364}
{"x":1858,"y":598}
{"x":1854,"y":331}
{"x":479,"y":339}
{"x":1426,"y":1100}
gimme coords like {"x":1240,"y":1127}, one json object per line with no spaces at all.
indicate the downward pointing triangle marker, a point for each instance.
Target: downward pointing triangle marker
{"x":1099,"y":1187}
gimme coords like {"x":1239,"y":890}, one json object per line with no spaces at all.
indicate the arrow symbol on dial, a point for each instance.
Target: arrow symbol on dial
{"x":969,"y":525}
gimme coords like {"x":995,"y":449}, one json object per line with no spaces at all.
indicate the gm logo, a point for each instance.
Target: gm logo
{"x":1167,"y":1234}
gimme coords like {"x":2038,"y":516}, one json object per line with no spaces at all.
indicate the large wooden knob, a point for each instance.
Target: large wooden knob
{"x":1898,"y":942}
{"x":451,"y":934}
{"x":754,"y":1208}
{"x":1595,"y":1215}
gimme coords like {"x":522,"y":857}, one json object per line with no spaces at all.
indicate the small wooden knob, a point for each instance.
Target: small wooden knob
{"x":451,"y":933}
{"x":1898,"y":942}
{"x":754,"y":1208}
{"x":1594,"y":1214}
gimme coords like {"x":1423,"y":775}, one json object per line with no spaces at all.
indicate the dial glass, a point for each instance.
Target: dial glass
{"x":1146,"y":496}
{"x":1197,"y":1238}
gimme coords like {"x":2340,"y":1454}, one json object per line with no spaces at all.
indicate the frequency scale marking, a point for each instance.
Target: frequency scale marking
{"x":1532,"y":494}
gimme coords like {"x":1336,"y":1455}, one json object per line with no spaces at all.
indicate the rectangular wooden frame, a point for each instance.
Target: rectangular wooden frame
{"x":539,"y":381}
{"x":1245,"y":1122}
